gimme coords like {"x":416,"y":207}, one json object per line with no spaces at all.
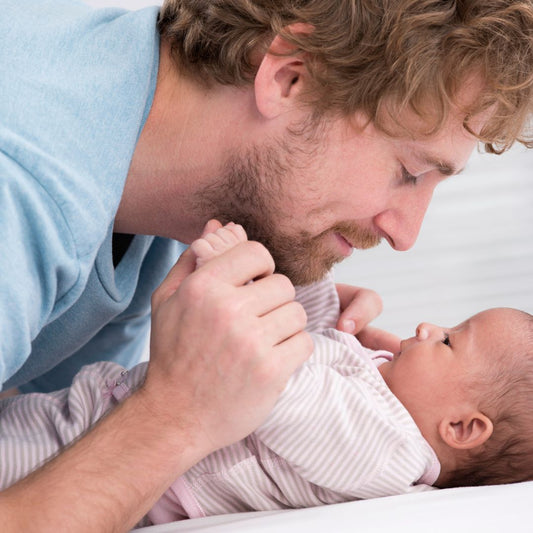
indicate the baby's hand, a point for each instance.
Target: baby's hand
{"x":218,"y":242}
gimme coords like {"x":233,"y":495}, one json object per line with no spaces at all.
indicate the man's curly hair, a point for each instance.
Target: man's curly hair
{"x":378,"y":57}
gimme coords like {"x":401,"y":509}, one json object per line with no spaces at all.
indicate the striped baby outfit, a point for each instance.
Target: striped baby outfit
{"x":336,"y":434}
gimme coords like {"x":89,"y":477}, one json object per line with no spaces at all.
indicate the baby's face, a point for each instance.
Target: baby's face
{"x":433,"y":372}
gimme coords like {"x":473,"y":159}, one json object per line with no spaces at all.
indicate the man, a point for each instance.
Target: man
{"x":241,"y":111}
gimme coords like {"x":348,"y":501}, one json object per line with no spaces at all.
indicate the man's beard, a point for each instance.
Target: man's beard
{"x":250,"y":193}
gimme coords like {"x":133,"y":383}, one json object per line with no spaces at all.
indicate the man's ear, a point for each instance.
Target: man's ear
{"x":280,"y":76}
{"x":466,"y":432}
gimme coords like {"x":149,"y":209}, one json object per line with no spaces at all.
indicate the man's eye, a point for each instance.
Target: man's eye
{"x":408,"y":178}
{"x":446,"y":340}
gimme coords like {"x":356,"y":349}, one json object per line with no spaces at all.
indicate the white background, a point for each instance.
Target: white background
{"x":475,"y":249}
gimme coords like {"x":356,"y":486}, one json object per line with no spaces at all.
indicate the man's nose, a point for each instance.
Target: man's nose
{"x":401,"y":223}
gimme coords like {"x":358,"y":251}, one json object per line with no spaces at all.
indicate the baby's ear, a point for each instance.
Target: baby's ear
{"x":466,"y":432}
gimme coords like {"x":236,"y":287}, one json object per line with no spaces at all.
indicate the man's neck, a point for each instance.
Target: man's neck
{"x":187,"y":136}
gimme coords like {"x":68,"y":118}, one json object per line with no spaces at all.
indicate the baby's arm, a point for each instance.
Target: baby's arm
{"x":379,"y":339}
{"x":369,"y":301}
{"x":358,"y":307}
{"x":214,"y":244}
{"x":35,"y":427}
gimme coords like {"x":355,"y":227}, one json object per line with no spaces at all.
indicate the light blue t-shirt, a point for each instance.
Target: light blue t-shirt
{"x":76,"y":88}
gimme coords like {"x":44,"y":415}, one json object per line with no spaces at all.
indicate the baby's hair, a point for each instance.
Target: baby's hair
{"x":507,"y":456}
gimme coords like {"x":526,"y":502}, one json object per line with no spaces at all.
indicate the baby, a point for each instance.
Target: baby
{"x":449,"y":407}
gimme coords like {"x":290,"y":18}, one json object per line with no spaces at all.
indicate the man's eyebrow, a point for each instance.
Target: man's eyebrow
{"x":444,"y":167}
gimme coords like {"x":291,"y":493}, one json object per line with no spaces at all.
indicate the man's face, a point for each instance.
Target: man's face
{"x":312,"y":196}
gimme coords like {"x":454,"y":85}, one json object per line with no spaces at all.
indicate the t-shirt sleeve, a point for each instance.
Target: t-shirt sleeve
{"x":38,"y":262}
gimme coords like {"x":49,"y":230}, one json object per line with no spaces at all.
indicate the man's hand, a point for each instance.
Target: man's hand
{"x":222,"y":349}
{"x":358,"y":308}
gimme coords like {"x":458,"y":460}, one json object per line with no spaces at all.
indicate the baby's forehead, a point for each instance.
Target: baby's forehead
{"x":502,"y":325}
{"x":505,"y":317}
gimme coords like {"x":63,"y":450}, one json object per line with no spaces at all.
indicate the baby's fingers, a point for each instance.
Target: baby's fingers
{"x":364,"y":307}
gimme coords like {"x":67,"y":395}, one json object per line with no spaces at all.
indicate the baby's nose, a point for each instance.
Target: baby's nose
{"x":424,"y":330}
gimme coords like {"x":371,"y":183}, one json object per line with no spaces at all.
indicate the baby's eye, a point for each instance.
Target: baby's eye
{"x":446,"y":339}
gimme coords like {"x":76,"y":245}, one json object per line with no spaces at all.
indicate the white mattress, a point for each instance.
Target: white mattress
{"x":494,"y":509}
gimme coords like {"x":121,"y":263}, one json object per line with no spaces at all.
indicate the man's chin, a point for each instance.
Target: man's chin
{"x":306,"y":271}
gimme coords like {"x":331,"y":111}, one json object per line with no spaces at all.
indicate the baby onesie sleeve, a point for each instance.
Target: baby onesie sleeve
{"x":35,"y":427}
{"x":343,"y":435}
{"x":38,"y":261}
{"x":321,"y":303}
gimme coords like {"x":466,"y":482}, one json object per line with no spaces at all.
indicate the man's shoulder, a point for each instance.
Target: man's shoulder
{"x":80,"y":85}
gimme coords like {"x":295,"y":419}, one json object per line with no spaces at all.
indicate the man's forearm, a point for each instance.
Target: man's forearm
{"x":221,"y":352}
{"x":108,"y":479}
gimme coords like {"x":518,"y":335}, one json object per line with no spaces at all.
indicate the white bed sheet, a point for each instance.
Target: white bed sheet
{"x":492,"y":509}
